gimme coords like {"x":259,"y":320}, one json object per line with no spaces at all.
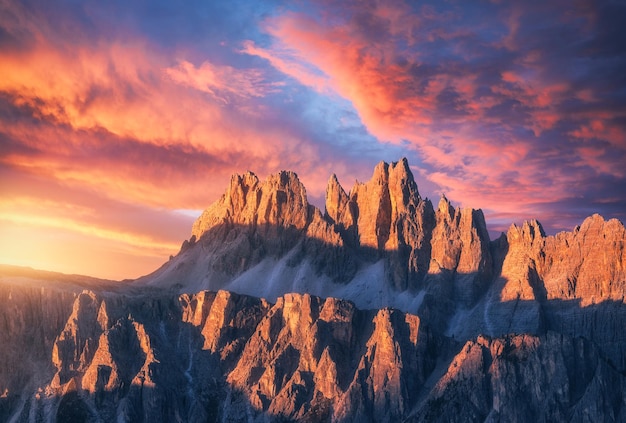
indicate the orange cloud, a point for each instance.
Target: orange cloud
{"x":216,"y":80}
{"x":494,"y":118}
{"x":379,"y":89}
{"x":481,"y":135}
{"x":96,"y":126}
{"x":119,"y":117}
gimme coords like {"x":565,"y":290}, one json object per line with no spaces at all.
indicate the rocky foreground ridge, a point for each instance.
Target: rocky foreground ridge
{"x":220,"y":356}
{"x":380,"y":308}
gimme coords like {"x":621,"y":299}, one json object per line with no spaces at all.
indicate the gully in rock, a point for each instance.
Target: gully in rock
{"x":379,"y":308}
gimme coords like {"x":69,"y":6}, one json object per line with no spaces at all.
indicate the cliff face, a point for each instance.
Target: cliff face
{"x":381,"y":244}
{"x":380,"y":308}
{"x":312,"y":358}
{"x":30,"y":319}
{"x":277,"y":203}
{"x":574,"y":282}
{"x":521,"y":378}
{"x":385,"y":220}
{"x":219,"y":356}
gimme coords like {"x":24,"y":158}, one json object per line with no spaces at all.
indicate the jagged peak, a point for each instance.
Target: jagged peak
{"x":333,"y":186}
{"x":280,"y":179}
{"x":247,"y":179}
{"x":393,"y":177}
{"x":333,"y":182}
{"x":284,"y":178}
{"x":613,"y":228}
{"x":279,"y":198}
{"x":381,"y":173}
{"x":246,"y":176}
{"x":534,"y":228}
{"x":592,"y":221}
{"x":336,"y":198}
{"x":445,"y":207}
{"x":402,"y":168}
{"x":385,"y":171}
{"x":529,"y":231}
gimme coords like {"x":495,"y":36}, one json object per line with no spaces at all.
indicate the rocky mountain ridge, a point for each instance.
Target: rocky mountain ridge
{"x":380,"y":308}
{"x":383,"y":245}
{"x":220,"y":356}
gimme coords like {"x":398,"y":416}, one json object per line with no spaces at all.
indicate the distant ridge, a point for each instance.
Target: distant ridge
{"x":9,"y":270}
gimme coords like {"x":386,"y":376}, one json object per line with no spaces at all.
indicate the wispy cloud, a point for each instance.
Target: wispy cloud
{"x":507,"y":103}
{"x":114,"y":110}
{"x":222,"y":81}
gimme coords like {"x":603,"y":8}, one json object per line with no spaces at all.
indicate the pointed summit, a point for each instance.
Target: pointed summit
{"x":388,"y":195}
{"x":445,"y":207}
{"x":401,"y":170}
{"x":402,"y":186}
{"x":279,"y":200}
{"x":336,"y":199}
{"x":395,"y":173}
{"x":530,"y":231}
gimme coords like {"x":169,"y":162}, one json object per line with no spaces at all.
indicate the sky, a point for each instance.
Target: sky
{"x":121,"y":120}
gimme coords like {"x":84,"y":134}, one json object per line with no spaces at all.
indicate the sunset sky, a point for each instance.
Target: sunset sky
{"x":121,"y":120}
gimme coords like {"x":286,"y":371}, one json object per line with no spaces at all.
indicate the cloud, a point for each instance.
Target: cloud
{"x":506,"y":111}
{"x":114,"y":110}
{"x":121,"y":115}
{"x":105,"y":131}
{"x":222,"y":81}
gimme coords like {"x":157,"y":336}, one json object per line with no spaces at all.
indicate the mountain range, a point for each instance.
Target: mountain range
{"x":382,"y":307}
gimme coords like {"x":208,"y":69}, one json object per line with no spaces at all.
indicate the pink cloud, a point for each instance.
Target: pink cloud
{"x":117,"y":124}
{"x":129,"y":98}
{"x":464,"y":126}
{"x":494,"y":118}
{"x":289,"y":65}
{"x":379,"y":89}
{"x":220,"y":81}
{"x":601,"y":127}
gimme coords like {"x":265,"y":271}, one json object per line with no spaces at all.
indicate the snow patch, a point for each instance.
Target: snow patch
{"x":274,"y":277}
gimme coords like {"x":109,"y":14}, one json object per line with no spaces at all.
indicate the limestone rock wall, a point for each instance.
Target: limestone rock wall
{"x":525,"y":327}
{"x":219,"y":356}
{"x":525,"y":378}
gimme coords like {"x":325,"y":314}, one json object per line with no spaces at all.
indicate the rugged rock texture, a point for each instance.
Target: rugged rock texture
{"x":573,"y":282}
{"x":445,"y":325}
{"x":219,"y":356}
{"x":384,"y":219}
{"x":225,"y":320}
{"x":30,"y":319}
{"x":525,"y":378}
{"x":382,"y":244}
{"x":276,"y":203}
{"x":587,"y":264}
{"x":460,"y":253}
{"x":311,"y":358}
{"x":222,"y":356}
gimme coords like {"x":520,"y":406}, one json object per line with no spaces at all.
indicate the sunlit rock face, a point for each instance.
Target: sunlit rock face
{"x":312,"y":358}
{"x":382,"y":244}
{"x":278,"y":202}
{"x":384,"y":220}
{"x":574,"y":282}
{"x":220,"y":356}
{"x":379,"y":308}
{"x":522,"y":378}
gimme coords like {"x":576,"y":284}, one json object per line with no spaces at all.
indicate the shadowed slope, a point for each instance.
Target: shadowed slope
{"x":382,"y":245}
{"x":163,"y":347}
{"x":219,"y":356}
